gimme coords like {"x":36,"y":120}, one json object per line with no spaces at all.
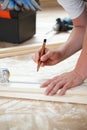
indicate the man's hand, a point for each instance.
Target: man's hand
{"x":62,"y":83}
{"x":51,"y":57}
{"x":20,"y":5}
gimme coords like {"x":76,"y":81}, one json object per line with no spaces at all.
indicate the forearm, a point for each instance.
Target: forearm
{"x":81,"y":66}
{"x":74,"y":42}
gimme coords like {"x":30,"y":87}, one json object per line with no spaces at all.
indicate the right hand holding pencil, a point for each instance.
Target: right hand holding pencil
{"x":51,"y":57}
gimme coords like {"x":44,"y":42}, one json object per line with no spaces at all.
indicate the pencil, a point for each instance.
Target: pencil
{"x":41,"y":54}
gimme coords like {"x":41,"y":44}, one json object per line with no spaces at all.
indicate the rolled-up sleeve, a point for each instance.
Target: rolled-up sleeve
{"x":73,"y":7}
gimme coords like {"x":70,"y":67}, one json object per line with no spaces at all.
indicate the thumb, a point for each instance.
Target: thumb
{"x":46,"y":56}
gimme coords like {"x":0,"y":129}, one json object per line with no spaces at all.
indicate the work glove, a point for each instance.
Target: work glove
{"x":20,"y":5}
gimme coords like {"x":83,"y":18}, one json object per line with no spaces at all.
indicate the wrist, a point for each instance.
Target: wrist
{"x":80,"y":75}
{"x":60,"y":54}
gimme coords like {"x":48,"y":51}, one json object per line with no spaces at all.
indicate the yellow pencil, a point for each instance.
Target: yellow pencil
{"x":41,"y":54}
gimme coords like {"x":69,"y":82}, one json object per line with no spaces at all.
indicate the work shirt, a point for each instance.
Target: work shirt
{"x":74,"y":7}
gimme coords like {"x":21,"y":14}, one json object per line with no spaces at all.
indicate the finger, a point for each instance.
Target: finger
{"x":55,"y":80}
{"x":55,"y":89}
{"x":50,"y":88}
{"x":63,"y":90}
{"x":45,"y":84}
{"x":43,"y":64}
{"x":45,"y":57}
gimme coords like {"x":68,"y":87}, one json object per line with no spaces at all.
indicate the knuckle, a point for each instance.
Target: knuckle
{"x":54,"y":90}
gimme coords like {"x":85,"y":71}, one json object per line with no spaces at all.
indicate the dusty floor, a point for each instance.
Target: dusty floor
{"x":36,"y":115}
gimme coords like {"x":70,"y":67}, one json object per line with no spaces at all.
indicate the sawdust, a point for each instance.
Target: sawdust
{"x":37,"y":115}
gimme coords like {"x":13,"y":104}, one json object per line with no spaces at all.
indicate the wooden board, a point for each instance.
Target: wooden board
{"x":22,"y":50}
{"x":29,"y":91}
{"x":33,"y":91}
{"x":22,"y":69}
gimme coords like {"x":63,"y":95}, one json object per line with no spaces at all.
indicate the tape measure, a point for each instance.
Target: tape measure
{"x":4,"y":75}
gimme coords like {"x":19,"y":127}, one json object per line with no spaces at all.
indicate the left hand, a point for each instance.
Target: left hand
{"x":64,"y":82}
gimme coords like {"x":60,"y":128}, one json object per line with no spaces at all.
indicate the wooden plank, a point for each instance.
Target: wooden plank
{"x":29,"y":91}
{"x":22,"y":50}
{"x":34,"y":96}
